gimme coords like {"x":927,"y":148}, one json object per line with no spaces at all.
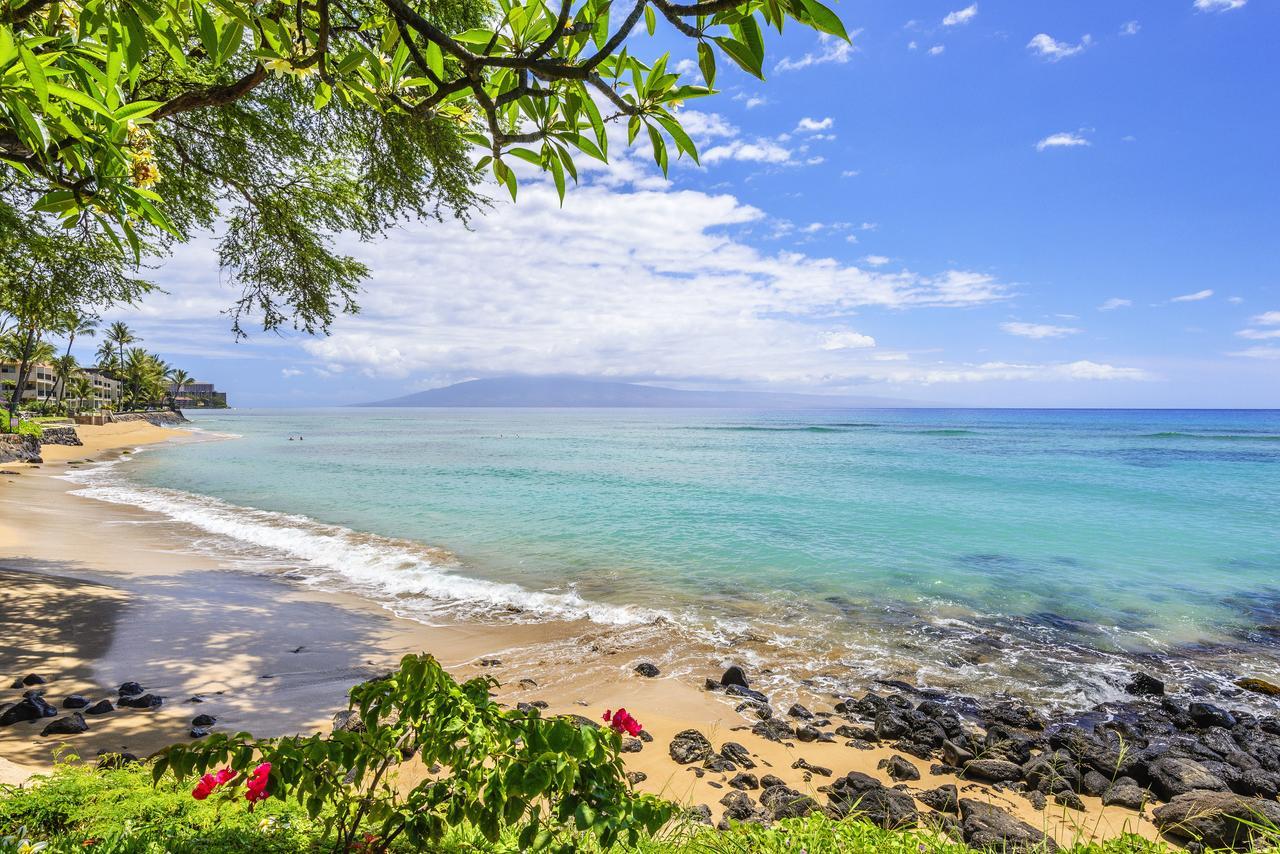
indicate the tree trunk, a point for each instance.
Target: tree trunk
{"x":24,"y":367}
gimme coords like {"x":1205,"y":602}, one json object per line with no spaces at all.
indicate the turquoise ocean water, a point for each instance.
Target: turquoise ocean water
{"x":1044,"y":553}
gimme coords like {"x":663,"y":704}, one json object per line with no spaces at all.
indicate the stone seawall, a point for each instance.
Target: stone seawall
{"x":60,"y":436}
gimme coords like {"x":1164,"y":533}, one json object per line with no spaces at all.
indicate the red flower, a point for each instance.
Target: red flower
{"x":257,"y":785}
{"x":209,"y":782}
{"x":623,"y":723}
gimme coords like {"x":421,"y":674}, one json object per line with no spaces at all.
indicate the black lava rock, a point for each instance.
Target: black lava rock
{"x":647,"y":669}
{"x":128,"y":689}
{"x":101,"y":707}
{"x":204,"y":720}
{"x":735,"y":675}
{"x":1145,"y":685}
{"x":72,"y":724}
{"x":75,"y":701}
{"x":142,"y":701}
{"x":27,"y":709}
{"x":689,"y":746}
{"x":899,"y":768}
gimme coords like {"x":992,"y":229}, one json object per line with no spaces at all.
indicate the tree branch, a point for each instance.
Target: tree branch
{"x":213,"y":96}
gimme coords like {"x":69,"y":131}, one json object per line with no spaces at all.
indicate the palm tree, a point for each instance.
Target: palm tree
{"x":78,"y":325}
{"x":106,"y":357}
{"x":178,"y":380}
{"x":25,"y":353}
{"x":120,"y":334}
{"x":64,"y":368}
{"x":143,"y":378}
{"x":80,"y":390}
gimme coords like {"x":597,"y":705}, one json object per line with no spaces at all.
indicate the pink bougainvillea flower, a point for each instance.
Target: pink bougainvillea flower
{"x":257,"y":785}
{"x":623,"y":723}
{"x":209,"y":782}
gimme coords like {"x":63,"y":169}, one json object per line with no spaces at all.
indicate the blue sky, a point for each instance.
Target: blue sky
{"x":1008,"y":203}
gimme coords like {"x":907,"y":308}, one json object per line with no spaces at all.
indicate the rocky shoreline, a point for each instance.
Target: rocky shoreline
{"x":1208,"y":776}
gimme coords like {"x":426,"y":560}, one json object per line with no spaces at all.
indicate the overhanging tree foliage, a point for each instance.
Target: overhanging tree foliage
{"x":286,"y":122}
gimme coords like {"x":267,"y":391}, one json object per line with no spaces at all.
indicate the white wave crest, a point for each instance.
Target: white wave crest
{"x":380,"y":567}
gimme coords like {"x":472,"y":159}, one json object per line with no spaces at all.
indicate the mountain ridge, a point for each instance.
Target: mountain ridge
{"x":555,"y":392}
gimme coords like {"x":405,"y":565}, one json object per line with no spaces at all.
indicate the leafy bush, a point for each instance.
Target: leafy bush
{"x":25,"y":428}
{"x":497,"y":770}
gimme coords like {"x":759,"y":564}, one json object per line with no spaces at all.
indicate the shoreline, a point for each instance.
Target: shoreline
{"x":273,"y":657}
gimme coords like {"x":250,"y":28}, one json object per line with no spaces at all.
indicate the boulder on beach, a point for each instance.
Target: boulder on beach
{"x":72,"y":724}
{"x":647,"y":669}
{"x":101,"y":707}
{"x":993,"y":770}
{"x":785,"y":802}
{"x":1173,"y":776}
{"x":75,"y":701}
{"x":1206,"y":715}
{"x":735,"y":675}
{"x":737,"y":754}
{"x":861,"y":795}
{"x":128,"y":689}
{"x":689,"y":746}
{"x":943,"y":799}
{"x":1259,"y":686}
{"x":1217,"y":819}
{"x":986,"y":826}
{"x":899,"y":768}
{"x":27,"y":709}
{"x":141,"y":701}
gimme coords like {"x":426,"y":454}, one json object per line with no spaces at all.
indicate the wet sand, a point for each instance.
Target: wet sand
{"x":95,"y":594}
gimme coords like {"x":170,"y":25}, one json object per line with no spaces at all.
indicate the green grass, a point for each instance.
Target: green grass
{"x":125,"y":814}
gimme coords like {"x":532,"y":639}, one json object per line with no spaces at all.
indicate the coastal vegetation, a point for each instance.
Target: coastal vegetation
{"x":127,"y":128}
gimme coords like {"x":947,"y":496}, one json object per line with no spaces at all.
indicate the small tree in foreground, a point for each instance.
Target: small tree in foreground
{"x":500,"y":769}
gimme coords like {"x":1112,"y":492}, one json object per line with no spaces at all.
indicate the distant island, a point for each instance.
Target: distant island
{"x":561,"y":392}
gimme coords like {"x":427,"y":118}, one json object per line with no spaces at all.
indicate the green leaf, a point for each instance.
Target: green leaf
{"x":741,"y":55}
{"x":682,"y":140}
{"x":78,"y":98}
{"x":435,"y":60}
{"x":707,"y":63}
{"x":823,"y":19}
{"x":35,"y":71}
{"x":650,"y":19}
{"x":478,"y":36}
{"x":136,"y":110}
{"x":749,"y":32}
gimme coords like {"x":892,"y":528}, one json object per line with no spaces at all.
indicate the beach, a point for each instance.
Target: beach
{"x":96,"y":594}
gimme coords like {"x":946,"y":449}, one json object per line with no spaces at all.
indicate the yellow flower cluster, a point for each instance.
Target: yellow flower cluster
{"x":145,"y":171}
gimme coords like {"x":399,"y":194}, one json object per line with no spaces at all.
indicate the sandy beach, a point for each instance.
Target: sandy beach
{"x":95,"y":594}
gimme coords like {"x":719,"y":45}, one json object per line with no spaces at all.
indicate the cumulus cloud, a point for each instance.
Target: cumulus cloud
{"x":1037,"y":330}
{"x":808,"y":125}
{"x":1061,"y":140}
{"x":1219,"y":5}
{"x":847,"y":341}
{"x":1130,"y":28}
{"x":830,"y":50}
{"x":937,"y":50}
{"x":875,"y":260}
{"x":960,"y":16}
{"x":760,"y":151}
{"x":1114,"y":303}
{"x":610,"y":288}
{"x":289,"y":373}
{"x":1047,"y":47}
{"x":1196,"y":297}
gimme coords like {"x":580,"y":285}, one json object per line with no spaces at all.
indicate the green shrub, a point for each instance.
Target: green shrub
{"x":25,"y":427}
{"x":501,"y":770}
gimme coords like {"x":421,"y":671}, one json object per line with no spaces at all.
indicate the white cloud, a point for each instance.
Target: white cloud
{"x":1235,"y":300}
{"x":912,"y":45}
{"x":1061,"y":140}
{"x":1130,"y":28}
{"x":850,"y":173}
{"x":705,"y":126}
{"x":289,"y":373}
{"x":1053,"y":50}
{"x":830,"y":50}
{"x":961,"y":16}
{"x":1267,"y":318}
{"x":1258,"y":353}
{"x":760,"y":151}
{"x":1114,"y":303}
{"x":937,"y":50}
{"x":752,"y":103}
{"x":847,"y":341}
{"x":1037,"y":330}
{"x":808,"y":125}
{"x":1219,"y":5}
{"x":685,"y":66}
{"x":875,"y":260}
{"x":597,"y":295}
{"x":1196,"y":297}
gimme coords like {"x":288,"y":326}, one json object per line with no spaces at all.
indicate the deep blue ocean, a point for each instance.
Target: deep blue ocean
{"x":1043,"y":553}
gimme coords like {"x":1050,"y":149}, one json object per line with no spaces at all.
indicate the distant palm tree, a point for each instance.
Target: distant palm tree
{"x":107,"y":360}
{"x":64,"y":368}
{"x":178,"y":379}
{"x":143,"y":378}
{"x":78,"y":325}
{"x":120,"y":335}
{"x":80,"y":390}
